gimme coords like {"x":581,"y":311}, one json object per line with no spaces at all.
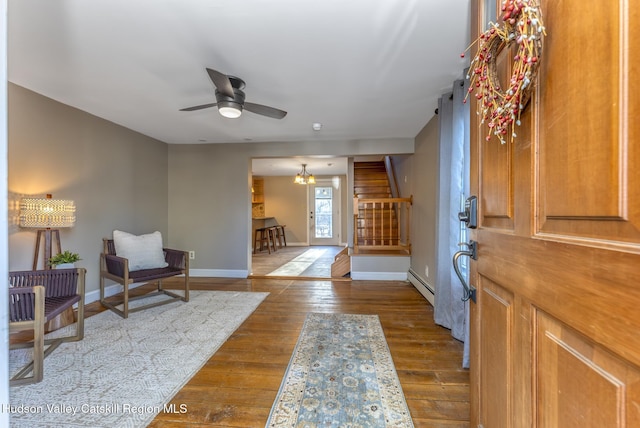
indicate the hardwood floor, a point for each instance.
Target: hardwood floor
{"x":239,"y":383}
{"x":308,"y":262}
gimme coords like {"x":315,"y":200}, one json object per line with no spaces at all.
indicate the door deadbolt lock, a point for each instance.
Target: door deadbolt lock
{"x":470,"y":214}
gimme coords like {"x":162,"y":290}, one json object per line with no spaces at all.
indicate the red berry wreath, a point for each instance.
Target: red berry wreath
{"x":500,"y":109}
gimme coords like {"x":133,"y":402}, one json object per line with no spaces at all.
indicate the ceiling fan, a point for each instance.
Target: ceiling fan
{"x":230,"y":98}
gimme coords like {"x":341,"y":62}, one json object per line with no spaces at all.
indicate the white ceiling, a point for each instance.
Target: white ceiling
{"x":363,"y":68}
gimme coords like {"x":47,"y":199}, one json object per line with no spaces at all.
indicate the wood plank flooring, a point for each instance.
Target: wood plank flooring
{"x":263,"y":263}
{"x":239,"y":383}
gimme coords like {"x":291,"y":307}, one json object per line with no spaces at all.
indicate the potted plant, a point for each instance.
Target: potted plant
{"x":64,"y":260}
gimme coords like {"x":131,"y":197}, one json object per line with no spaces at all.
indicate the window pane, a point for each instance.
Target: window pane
{"x":324,"y":213}
{"x":323,"y":192}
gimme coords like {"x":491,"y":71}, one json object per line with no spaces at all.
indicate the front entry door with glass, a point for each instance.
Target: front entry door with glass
{"x":324,"y":219}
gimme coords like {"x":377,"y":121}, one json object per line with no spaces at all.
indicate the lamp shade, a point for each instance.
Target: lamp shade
{"x":42,"y":213}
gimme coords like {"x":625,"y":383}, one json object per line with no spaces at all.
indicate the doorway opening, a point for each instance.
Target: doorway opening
{"x":311,"y":213}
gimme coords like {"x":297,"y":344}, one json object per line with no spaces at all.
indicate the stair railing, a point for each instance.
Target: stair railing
{"x":382,"y":224}
{"x":391,"y":176}
{"x":393,"y":183}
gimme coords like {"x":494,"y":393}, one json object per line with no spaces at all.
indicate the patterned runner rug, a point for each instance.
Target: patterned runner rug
{"x":340,"y":375}
{"x":124,"y":371}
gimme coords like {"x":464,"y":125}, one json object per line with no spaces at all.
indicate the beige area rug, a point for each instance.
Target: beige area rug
{"x":125,"y":370}
{"x":341,"y":374}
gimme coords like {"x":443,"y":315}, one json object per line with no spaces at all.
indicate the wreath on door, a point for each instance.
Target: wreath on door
{"x":501,"y":108}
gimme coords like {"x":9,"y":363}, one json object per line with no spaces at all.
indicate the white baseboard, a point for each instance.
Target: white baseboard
{"x":94,"y":296}
{"x":306,"y":244}
{"x":379,"y":276}
{"x":219,"y":273}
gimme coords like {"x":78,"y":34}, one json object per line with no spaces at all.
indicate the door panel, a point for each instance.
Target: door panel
{"x":573,"y":372}
{"x":497,"y":173}
{"x":496,"y":328}
{"x":497,"y":182}
{"x":554,"y":333}
{"x":585,"y":187}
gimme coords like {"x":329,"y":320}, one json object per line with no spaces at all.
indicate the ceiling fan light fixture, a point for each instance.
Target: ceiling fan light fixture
{"x":229,"y":110}
{"x":230,"y":98}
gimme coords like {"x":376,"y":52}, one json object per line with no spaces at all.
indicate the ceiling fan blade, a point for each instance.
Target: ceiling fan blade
{"x":265,"y":110}
{"x":198,"y":107}
{"x":222,"y":82}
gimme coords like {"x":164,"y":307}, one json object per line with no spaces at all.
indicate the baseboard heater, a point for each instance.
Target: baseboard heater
{"x":425,"y":289}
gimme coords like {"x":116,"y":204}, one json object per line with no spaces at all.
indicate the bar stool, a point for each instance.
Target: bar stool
{"x":272,"y":237}
{"x":264,"y":236}
{"x":279,"y":234}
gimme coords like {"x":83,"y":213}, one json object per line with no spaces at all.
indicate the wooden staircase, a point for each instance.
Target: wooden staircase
{"x":371,"y":181}
{"x":341,"y":265}
{"x":376,"y":216}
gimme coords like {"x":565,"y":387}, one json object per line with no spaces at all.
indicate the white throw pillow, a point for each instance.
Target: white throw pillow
{"x":142,"y":251}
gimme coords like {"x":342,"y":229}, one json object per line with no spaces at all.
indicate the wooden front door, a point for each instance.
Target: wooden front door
{"x":555,"y":332}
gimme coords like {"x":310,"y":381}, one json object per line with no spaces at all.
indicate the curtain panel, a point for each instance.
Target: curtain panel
{"x":450,"y":311}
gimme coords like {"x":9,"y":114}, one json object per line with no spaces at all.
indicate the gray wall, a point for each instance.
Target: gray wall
{"x":210,"y":204}
{"x":421,"y":170}
{"x":117,"y":177}
{"x":198,"y":196}
{"x":218,"y":177}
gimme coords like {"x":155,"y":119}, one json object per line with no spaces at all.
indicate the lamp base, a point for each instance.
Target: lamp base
{"x":48,"y":242}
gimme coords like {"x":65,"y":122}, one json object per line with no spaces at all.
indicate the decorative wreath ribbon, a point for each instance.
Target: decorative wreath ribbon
{"x":500,"y":109}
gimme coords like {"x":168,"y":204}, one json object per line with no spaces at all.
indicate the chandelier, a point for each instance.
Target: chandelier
{"x":303,"y":177}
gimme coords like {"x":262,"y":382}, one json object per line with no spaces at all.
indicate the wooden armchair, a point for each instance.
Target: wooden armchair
{"x":117,"y":269}
{"x":36,"y":297}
